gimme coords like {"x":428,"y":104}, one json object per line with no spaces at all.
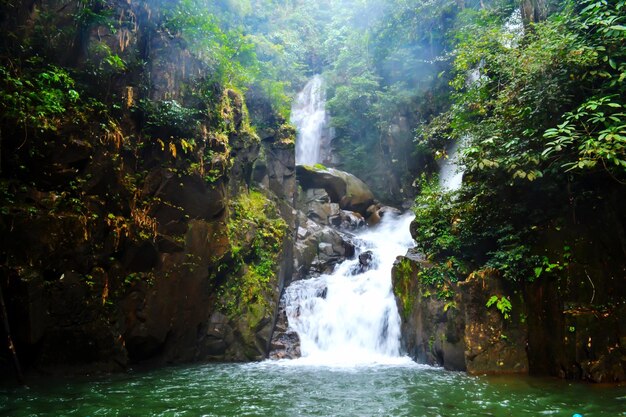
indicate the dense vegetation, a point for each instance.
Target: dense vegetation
{"x":543,"y":128}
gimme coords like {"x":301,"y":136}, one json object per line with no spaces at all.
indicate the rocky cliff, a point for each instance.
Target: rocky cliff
{"x":566,"y":321}
{"x":132,"y":228}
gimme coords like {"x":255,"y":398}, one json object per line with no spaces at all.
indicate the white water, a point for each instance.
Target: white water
{"x":309,"y":115}
{"x":450,"y":169}
{"x":513,"y":30}
{"x":356,"y":321}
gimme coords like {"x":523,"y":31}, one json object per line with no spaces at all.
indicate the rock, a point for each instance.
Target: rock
{"x":347,"y":220}
{"x":193,"y":196}
{"x":540,"y":336}
{"x":326,"y":248}
{"x":365,"y":263}
{"x":388,"y":211}
{"x":458,"y":331}
{"x":317,"y":206}
{"x":343,"y":188}
{"x":286,"y":346}
{"x":275,"y":168}
{"x":319,"y":249}
{"x":219,"y":335}
{"x":138,"y":229}
{"x":373,"y":218}
{"x":376,"y":212}
{"x":431,"y":332}
{"x":365,"y":258}
{"x":494,"y":343}
{"x":285,"y":342}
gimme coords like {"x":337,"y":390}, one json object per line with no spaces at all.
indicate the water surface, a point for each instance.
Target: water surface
{"x":297,"y":389}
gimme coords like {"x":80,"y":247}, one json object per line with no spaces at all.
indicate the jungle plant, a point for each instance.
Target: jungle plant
{"x":502,"y":304}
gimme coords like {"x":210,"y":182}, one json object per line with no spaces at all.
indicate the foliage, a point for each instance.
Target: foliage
{"x":229,"y":55}
{"x":529,"y":116}
{"x":168,"y":118}
{"x":435,"y":213}
{"x":381,"y":76}
{"x":36,"y":98}
{"x":502,"y":304}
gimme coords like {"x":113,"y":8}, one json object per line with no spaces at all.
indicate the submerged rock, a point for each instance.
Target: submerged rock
{"x":366,"y":262}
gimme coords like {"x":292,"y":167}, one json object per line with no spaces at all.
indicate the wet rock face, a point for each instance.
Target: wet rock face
{"x":458,"y":331}
{"x":539,"y":336}
{"x":431,"y":333}
{"x":132,"y":271}
{"x":494,"y":343}
{"x":575,"y":342}
{"x":285,"y":342}
{"x":66,"y":322}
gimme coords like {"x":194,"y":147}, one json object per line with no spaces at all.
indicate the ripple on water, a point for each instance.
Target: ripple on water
{"x":290,"y":389}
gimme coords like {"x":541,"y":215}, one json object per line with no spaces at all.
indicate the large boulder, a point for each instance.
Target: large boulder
{"x":450,"y":324}
{"x":432,"y":327}
{"x":343,"y":188}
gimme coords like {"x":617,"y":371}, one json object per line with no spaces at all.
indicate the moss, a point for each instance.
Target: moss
{"x":256,"y":233}
{"x":403,"y":277}
{"x":232,"y":116}
{"x":286,"y":136}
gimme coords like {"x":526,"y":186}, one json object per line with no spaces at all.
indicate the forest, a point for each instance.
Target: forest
{"x":153,"y":211}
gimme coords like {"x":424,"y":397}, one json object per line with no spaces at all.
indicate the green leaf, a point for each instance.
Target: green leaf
{"x":492,"y":301}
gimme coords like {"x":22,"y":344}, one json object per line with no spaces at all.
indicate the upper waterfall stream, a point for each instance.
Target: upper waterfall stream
{"x":309,"y":115}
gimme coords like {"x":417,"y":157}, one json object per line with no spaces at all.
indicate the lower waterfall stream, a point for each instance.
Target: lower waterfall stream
{"x":349,"y":317}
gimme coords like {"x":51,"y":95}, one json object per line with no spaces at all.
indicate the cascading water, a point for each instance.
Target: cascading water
{"x":309,"y":115}
{"x":450,"y":169}
{"x":513,"y":30}
{"x":350,"y":317}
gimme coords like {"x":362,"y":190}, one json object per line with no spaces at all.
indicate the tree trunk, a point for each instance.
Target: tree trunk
{"x":533,"y":11}
{"x":7,"y":330}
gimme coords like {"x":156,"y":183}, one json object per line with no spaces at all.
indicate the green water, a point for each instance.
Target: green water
{"x":268,"y":389}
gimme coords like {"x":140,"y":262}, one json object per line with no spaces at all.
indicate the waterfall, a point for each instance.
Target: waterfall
{"x":450,"y":169}
{"x":513,"y":30}
{"x":309,"y":115}
{"x":350,"y":317}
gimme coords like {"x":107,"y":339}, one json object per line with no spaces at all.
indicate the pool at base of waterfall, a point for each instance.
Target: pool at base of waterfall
{"x":293,"y":388}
